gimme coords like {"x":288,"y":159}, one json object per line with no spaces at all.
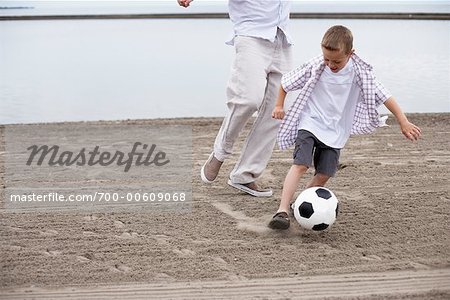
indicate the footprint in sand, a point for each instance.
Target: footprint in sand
{"x":223,"y":265}
{"x":203,"y":242}
{"x":52,"y":253}
{"x":90,"y":233}
{"x":15,"y":247}
{"x":126,"y":234}
{"x":85,"y":257}
{"x":119,"y":224}
{"x":120,"y":268}
{"x":371,"y":257}
{"x":183,"y":252}
{"x":90,"y":218}
{"x":163,"y":277}
{"x":13,"y":228}
{"x":49,"y":232}
{"x":129,"y":235}
{"x":162,"y":239}
{"x":419,"y":266}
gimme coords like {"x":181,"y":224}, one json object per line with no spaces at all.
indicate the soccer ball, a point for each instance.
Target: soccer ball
{"x":316,"y":208}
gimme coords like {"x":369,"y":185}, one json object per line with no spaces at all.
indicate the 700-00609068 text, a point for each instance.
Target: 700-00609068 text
{"x":101,"y":197}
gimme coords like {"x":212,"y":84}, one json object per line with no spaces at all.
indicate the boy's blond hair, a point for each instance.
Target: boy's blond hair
{"x":338,"y":38}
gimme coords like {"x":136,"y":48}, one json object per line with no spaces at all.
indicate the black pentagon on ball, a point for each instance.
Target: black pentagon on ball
{"x":320,"y":227}
{"x":323,"y":193}
{"x":306,"y":210}
{"x":337,"y":209}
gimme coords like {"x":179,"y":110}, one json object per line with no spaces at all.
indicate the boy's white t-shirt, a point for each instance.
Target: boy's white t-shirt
{"x":329,"y":113}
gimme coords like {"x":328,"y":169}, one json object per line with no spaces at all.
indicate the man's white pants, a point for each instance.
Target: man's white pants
{"x":253,"y":87}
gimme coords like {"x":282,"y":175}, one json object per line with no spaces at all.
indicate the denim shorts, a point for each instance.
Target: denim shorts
{"x":308,"y":147}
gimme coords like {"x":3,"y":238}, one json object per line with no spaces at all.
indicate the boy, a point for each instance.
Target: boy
{"x":339,"y":96}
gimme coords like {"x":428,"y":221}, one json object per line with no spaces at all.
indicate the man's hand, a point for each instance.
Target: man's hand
{"x":184,"y":3}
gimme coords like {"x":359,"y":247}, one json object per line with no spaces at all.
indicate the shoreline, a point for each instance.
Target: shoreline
{"x":193,"y":120}
{"x":381,"y":16}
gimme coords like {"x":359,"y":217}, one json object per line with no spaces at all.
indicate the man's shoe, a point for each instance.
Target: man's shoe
{"x":252,"y":189}
{"x":210,"y":169}
{"x":280,"y":221}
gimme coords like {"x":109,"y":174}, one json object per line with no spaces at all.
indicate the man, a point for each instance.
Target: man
{"x":263,"y":54}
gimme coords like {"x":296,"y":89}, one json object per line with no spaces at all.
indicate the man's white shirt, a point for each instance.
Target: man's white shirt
{"x":259,"y":18}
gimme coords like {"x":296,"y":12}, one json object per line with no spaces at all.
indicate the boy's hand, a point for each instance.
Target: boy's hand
{"x":410,"y":131}
{"x":278,"y":113}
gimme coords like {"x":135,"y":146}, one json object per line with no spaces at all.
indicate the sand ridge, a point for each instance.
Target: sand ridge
{"x":392,"y":284}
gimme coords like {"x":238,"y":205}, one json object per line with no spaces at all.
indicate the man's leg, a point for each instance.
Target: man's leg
{"x":259,"y":144}
{"x":245,"y":93}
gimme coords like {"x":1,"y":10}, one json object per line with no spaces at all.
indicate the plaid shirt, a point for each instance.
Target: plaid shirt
{"x":305,"y":77}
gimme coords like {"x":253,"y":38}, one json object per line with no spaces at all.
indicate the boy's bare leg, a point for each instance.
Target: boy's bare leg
{"x":290,"y":185}
{"x":281,"y":219}
{"x":318,"y":180}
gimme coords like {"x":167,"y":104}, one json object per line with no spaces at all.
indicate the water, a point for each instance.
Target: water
{"x":78,"y":70}
{"x":55,"y":7}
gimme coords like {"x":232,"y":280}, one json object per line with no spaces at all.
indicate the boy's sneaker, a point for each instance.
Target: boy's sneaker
{"x":280,"y":221}
{"x":210,"y":169}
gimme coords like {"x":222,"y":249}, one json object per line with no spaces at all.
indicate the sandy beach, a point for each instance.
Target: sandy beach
{"x":391,"y":239}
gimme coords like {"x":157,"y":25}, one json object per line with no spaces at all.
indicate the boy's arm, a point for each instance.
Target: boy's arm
{"x":296,"y":79}
{"x":409,"y":130}
{"x":278,"y":111}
